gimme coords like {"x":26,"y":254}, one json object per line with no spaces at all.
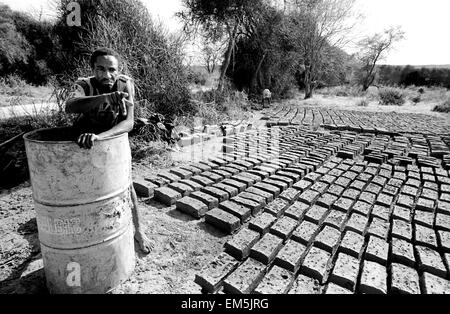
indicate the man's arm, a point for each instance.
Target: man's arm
{"x":79,"y":103}
{"x":128,"y":124}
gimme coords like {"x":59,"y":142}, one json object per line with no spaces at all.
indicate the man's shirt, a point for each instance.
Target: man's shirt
{"x":105,"y":117}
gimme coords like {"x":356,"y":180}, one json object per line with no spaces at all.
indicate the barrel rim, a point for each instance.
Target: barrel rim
{"x":27,"y":138}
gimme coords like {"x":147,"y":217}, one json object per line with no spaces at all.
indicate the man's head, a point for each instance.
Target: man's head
{"x":105,"y":64}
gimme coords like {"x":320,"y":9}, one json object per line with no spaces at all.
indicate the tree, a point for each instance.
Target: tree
{"x":218,"y":19}
{"x":212,"y":53}
{"x":373,"y":49}
{"x":315,"y":26}
{"x":14,"y":48}
{"x":151,"y":56}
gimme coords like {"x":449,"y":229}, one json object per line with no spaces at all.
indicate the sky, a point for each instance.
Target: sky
{"x":425,"y":24}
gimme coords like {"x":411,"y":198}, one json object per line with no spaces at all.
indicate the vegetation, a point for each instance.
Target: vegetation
{"x":391,"y":96}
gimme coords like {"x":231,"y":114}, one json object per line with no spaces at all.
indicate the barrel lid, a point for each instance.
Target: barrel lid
{"x":64,"y":135}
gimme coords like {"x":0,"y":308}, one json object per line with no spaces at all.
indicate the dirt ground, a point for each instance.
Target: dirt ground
{"x":182,"y":245}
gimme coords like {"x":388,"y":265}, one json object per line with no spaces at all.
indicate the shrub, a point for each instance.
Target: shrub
{"x":362,"y":103}
{"x":391,"y":96}
{"x":444,"y":107}
{"x":417,"y":99}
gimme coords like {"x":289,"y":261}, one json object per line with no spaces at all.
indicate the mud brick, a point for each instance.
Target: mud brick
{"x":309,"y":197}
{"x":266,"y":249}
{"x":235,"y":184}
{"x":328,"y":179}
{"x":305,"y":285}
{"x":182,"y":173}
{"x":409,"y":191}
{"x":286,"y":181}
{"x":312,"y":177}
{"x":390,"y":190}
{"x":290,"y":175}
{"x":343,"y":204}
{"x":404,"y":280}
{"x":395,"y":183}
{"x":284,"y":227}
{"x":413,"y":183}
{"x":351,"y":193}
{"x":428,"y":177}
{"x":291,"y":256}
{"x":362,"y":208}
{"x":262,"y":223}
{"x":291,"y":195}
{"x":430,"y":261}
{"x":245,"y":278}
{"x":240,"y":244}
{"x":169,"y":176}
{"x":373,"y":279}
{"x":345,"y":271}
{"x":262,"y":174}
{"x":240,"y":211}
{"x":267,"y":196}
{"x":385,"y":173}
{"x":344,"y":182}
{"x":217,"y":193}
{"x":402,"y":213}
{"x":193,"y":185}
{"x":203,"y":181}
{"x":203,"y":166}
{"x":336,"y":190}
{"x":230,"y":190}
{"x":254,"y":207}
{"x":222,"y":173}
{"x":445,"y":197}
{"x":336,"y":219}
{"x":315,"y":264}
{"x":344,"y":167}
{"x":373,"y":188}
{"x":365,"y":177}
{"x":253,"y":177}
{"x":385,"y":200}
{"x":445,"y":188}
{"x":425,"y":219}
{"x":357,"y":223}
{"x":305,"y":232}
{"x":246,"y":164}
{"x":328,"y":239}
{"x":334,"y":289}
{"x":350,"y":176}
{"x":320,"y":187}
{"x":193,"y":170}
{"x":402,"y":252}
{"x":274,"y":190}
{"x":429,"y":194}
{"x":402,"y":230}
{"x":233,"y":170}
{"x":158,"y":181}
{"x":425,"y":204}
{"x":426,"y":237}
{"x":435,"y":285}
{"x":444,"y":240}
{"x":167,"y":196}
{"x":336,"y":173}
{"x":144,"y":188}
{"x":277,"y":207}
{"x":181,"y":188}
{"x":352,"y":244}
{"x":302,"y":185}
{"x":253,"y":197}
{"x":377,"y":250}
{"x":277,"y":281}
{"x":244,"y":180}
{"x":379,"y":227}
{"x":211,"y":276}
{"x":327,"y":200}
{"x":192,"y":207}
{"x":264,"y":169}
{"x":208,"y":200}
{"x":316,"y":214}
{"x":381,"y":212}
{"x":381,"y":181}
{"x":297,"y":211}
{"x":297,"y":171}
{"x":367,"y":197}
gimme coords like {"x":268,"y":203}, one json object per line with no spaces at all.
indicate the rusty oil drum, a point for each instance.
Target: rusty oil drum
{"x":83,"y":209}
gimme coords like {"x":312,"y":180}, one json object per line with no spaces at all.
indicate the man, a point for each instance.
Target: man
{"x":267,"y":97}
{"x":105,"y":104}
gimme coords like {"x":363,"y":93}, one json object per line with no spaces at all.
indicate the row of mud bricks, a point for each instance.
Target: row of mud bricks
{"x":388,"y":123}
{"x":320,"y":212}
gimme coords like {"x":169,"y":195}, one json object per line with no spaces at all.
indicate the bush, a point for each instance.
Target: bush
{"x":362,"y":103}
{"x":391,"y":97}
{"x":14,"y":85}
{"x":444,"y":107}
{"x":417,"y":99}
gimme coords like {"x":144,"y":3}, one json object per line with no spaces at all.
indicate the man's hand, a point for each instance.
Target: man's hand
{"x":87,"y":140}
{"x":118,"y":99}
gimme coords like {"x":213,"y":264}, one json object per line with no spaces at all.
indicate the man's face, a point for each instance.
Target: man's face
{"x":106,"y":70}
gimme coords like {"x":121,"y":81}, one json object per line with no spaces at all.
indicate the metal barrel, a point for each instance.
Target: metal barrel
{"x":83,"y":210}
